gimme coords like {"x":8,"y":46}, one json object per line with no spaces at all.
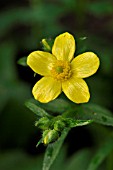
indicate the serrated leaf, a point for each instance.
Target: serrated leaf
{"x":101,"y":154}
{"x":37,"y":110}
{"x":22,"y":61}
{"x":53,"y":150}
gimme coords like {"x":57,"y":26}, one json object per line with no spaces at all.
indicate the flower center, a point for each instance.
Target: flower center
{"x":61,"y":70}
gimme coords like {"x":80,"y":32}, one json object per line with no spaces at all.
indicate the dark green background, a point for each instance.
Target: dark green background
{"x":22,"y":26}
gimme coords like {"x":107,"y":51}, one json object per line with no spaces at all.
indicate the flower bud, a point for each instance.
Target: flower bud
{"x":50,"y":136}
{"x":43,"y":123}
{"x":46,"y":45}
{"x":59,"y":125}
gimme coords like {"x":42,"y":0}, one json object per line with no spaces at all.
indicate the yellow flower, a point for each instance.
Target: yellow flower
{"x":62,"y":72}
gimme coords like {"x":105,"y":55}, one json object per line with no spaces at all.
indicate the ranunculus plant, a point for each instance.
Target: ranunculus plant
{"x":64,"y":72}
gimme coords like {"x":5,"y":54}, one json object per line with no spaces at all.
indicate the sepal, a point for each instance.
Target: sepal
{"x":49,"y":136}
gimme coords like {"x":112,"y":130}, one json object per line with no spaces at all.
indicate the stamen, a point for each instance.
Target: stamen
{"x":61,"y":70}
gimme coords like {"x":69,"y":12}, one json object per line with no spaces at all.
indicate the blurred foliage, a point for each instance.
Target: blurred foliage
{"x":22,"y":26}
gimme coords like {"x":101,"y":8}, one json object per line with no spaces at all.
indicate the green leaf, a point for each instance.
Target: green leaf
{"x":59,"y":163}
{"x":53,"y":150}
{"x":96,"y":108}
{"x":58,"y":105}
{"x":73,"y":123}
{"x":22,"y":61}
{"x":37,"y":110}
{"x":96,"y":113}
{"x":101,"y":154}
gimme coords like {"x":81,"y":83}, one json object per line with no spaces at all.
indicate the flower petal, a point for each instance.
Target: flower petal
{"x":84,"y":65}
{"x":41,"y":62}
{"x":76,"y":90}
{"x":64,"y":47}
{"x":46,"y":89}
